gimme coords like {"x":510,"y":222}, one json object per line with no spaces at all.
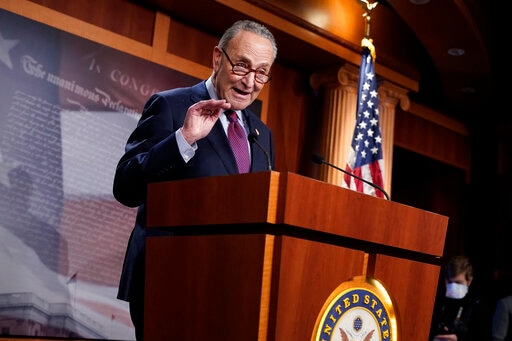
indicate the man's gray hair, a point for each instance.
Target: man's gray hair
{"x":251,"y":26}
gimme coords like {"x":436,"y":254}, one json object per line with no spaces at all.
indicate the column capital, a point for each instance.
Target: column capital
{"x":390,"y":93}
{"x":344,"y":75}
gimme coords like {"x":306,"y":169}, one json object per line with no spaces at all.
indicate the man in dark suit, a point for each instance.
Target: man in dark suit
{"x":183,"y":134}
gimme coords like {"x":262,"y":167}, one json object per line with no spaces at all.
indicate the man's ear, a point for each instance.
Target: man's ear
{"x":216,"y":58}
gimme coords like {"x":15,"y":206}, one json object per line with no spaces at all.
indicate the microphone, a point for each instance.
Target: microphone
{"x":253,"y":138}
{"x":320,"y":160}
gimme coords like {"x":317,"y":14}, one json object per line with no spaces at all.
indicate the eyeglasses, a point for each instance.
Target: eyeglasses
{"x":241,"y":69}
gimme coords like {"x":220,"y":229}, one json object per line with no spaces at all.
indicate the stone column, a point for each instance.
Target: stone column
{"x":339,"y":87}
{"x":389,"y":95}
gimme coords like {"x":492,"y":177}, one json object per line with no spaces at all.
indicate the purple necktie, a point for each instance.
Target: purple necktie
{"x":238,"y":141}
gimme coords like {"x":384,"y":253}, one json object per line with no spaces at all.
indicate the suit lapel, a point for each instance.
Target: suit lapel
{"x":258,"y":157}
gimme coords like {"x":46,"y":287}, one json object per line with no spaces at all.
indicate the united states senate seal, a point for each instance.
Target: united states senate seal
{"x":360,"y":309}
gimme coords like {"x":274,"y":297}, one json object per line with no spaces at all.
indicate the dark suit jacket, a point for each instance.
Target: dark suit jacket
{"x":152,"y":155}
{"x":467,"y":317}
{"x":502,"y":320}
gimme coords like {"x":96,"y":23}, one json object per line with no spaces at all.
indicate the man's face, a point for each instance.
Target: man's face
{"x":247,"y":48}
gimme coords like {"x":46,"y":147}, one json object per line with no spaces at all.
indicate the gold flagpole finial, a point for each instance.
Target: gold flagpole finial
{"x":368,"y":8}
{"x":367,"y":41}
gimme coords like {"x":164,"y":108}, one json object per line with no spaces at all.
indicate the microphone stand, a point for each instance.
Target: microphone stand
{"x":320,"y":160}
{"x":253,"y":138}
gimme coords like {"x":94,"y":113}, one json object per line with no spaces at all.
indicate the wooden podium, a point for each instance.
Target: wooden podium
{"x":255,"y":256}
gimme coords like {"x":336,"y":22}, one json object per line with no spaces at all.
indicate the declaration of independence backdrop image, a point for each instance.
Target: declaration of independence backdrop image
{"x":67,"y":107}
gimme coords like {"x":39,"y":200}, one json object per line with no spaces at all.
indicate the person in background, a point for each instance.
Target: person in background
{"x":502,"y":315}
{"x":502,"y":320}
{"x":459,"y":315}
{"x":183,"y":133}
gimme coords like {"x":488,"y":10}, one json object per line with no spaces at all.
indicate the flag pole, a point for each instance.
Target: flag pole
{"x":365,"y":158}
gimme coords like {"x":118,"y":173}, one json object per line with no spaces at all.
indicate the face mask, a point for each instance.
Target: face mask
{"x":456,"y":290}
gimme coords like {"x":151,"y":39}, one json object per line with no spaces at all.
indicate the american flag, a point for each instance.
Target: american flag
{"x":365,"y":154}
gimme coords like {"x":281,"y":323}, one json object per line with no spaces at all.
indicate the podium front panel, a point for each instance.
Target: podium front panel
{"x":201,"y":288}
